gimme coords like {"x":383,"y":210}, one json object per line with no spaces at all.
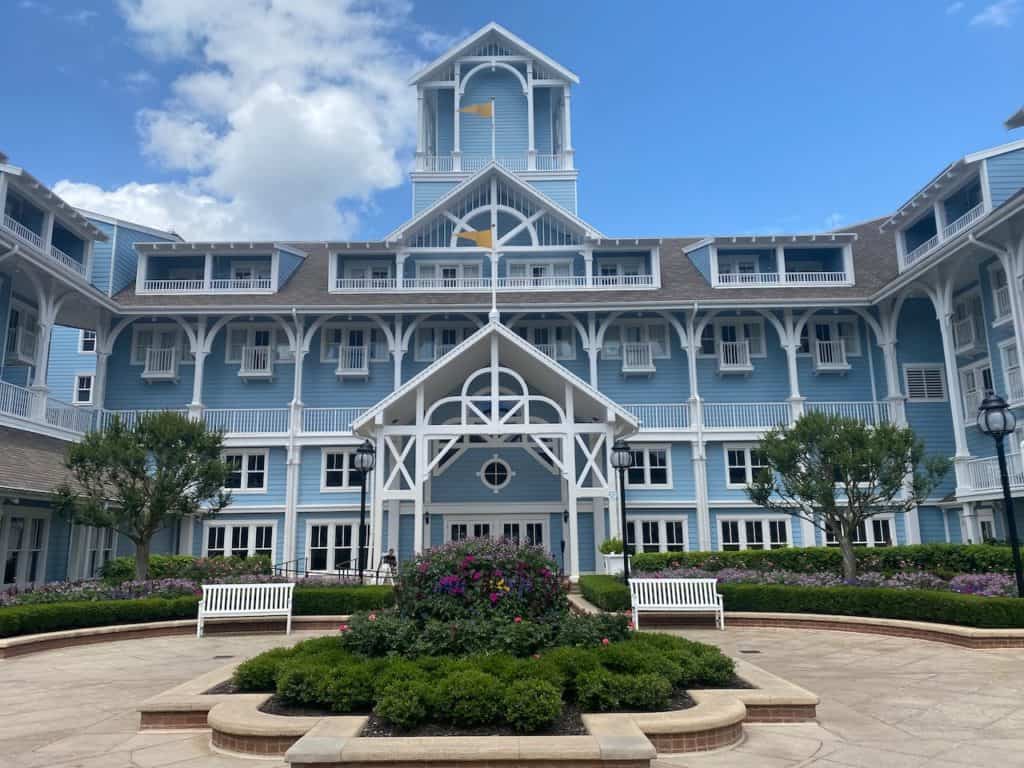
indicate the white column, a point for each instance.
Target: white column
{"x":420,"y":127}
{"x":140,"y":272}
{"x":940,"y":218}
{"x":942,"y":300}
{"x":592,"y":347}
{"x":418,"y":473}
{"x":377,"y":505}
{"x":792,"y":345}
{"x":703,"y":510}
{"x":208,"y":272}
{"x":569,"y":458}
{"x":99,"y":382}
{"x":291,"y":517}
{"x":47,"y":234}
{"x":893,"y":389}
{"x":87,"y":259}
{"x":567,"y":126}
{"x":969,"y":528}
{"x":808,"y":532}
{"x":398,"y":351}
{"x":780,"y":263}
{"x":457,"y":128}
{"x":394,"y":519}
{"x":400,"y":258}
{"x":588,"y":264}
{"x":531,"y":150}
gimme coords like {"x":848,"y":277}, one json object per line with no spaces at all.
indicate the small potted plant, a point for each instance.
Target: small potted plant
{"x":612,"y":551}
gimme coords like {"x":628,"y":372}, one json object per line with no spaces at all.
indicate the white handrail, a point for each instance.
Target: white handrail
{"x":241,"y":284}
{"x":129,"y":417}
{"x":329,"y":419}
{"x":983,"y":474}
{"x":22,"y":231}
{"x":67,"y":416}
{"x":734,"y":355}
{"x":15,"y":400}
{"x":248,"y":421}
{"x":161,"y":361}
{"x":1002,"y":302}
{"x":446,"y":284}
{"x":174,"y":286}
{"x":869,"y":411}
{"x":637,"y":356}
{"x":353,"y":359}
{"x":745,"y":415}
{"x":622,"y":281}
{"x":830,"y":354}
{"x":547,"y":281}
{"x":963,"y":333}
{"x":365,"y":283}
{"x":67,"y":260}
{"x":1015,"y":384}
{"x":958,"y":226}
{"x":256,"y":361}
{"x":661,"y":416}
{"x":920,"y":251}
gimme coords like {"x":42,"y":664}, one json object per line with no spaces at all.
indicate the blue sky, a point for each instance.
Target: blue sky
{"x":293,"y":119}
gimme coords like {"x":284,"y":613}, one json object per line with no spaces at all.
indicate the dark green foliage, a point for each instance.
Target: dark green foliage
{"x":944,"y":560}
{"x":400,"y":672}
{"x":634,"y":659}
{"x":406,"y":705}
{"x":609,"y":593}
{"x":200,"y":569}
{"x":52,"y":617}
{"x":602,"y":690}
{"x":341,"y":600}
{"x":301,"y":681}
{"x":470,"y":697}
{"x":259,"y":674}
{"x":349,"y":687}
{"x":531,"y":705}
{"x":590,"y":630}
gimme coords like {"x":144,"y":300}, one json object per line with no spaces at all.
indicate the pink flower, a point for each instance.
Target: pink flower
{"x":343,"y":627}
{"x":494,"y":596}
{"x":372,"y":617}
{"x":631,"y":625}
{"x":605,"y":641}
{"x":518,"y":619}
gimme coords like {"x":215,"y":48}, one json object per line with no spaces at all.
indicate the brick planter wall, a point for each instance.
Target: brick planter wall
{"x":698,"y":741}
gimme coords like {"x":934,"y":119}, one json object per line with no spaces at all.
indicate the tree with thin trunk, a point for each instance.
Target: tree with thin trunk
{"x":141,"y":478}
{"x":839,"y":473}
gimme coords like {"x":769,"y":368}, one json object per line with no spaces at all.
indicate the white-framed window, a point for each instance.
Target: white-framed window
{"x":529,"y":531}
{"x":158,"y":336}
{"x":558,"y":340}
{"x":368,"y":270}
{"x":879,"y":531}
{"x":743,"y":462}
{"x":610,"y":267}
{"x":496,"y":473}
{"x":737,"y":263}
{"x":975,"y":382}
{"x":528,"y":269}
{"x":23,"y":540}
{"x":924,"y":383}
{"x":433,"y":340}
{"x":736,"y":533}
{"x":448,"y":274}
{"x":334,"y":336}
{"x":968,"y":321}
{"x":1013,"y":381}
{"x":986,"y":524}
{"x":338,"y":472}
{"x":845,"y":329}
{"x":83,"y":389}
{"x":657,"y":535}
{"x":651,"y":468}
{"x":653,"y":332}
{"x":254,"y":335}
{"x":250,"y":270}
{"x":332,"y":545}
{"x":248,"y":471}
{"x":1001,"y":312}
{"x":94,"y":548}
{"x":239,"y":539}
{"x":86,"y":341}
{"x":750,"y":330}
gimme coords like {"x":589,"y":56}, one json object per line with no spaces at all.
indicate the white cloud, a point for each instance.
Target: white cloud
{"x":953,"y":8}
{"x":289,"y":116}
{"x":436,"y":42}
{"x":138,"y":79}
{"x":998,"y":14}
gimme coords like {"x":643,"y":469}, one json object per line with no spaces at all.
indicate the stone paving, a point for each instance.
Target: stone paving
{"x":885,"y":702}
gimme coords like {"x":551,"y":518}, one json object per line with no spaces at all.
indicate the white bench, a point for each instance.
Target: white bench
{"x":221,"y":601}
{"x":676,"y":596}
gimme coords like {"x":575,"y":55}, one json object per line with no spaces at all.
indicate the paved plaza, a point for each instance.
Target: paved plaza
{"x":884,"y":702}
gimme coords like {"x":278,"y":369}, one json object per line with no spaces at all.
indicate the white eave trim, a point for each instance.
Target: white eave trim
{"x":113,"y":221}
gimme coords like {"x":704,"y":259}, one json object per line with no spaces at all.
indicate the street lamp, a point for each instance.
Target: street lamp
{"x":996,"y":419}
{"x":622,"y":459}
{"x":364,"y":459}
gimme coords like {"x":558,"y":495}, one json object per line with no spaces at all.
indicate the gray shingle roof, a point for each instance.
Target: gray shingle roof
{"x":32,"y":463}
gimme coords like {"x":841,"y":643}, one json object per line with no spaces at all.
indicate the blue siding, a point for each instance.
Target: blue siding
{"x":426,"y":193}
{"x":406,"y":536}
{"x":683,"y":487}
{"x":510,"y":118}
{"x":531,"y":481}
{"x":102,"y":256}
{"x":57,"y":545}
{"x":66,"y":362}
{"x":310,"y":477}
{"x":701,"y":259}
{"x":930,"y":522}
{"x":1005,"y":175}
{"x":435,"y":532}
{"x":287,"y":263}
{"x":126,"y":261}
{"x":542,"y":121}
{"x":561,"y":191}
{"x":585,"y":524}
{"x":445,"y":121}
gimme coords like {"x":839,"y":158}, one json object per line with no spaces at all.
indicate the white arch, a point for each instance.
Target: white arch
{"x":492,"y":65}
{"x":320,"y":322}
{"x":463,"y":222}
{"x":580,"y":328}
{"x":407,"y":334}
{"x":667,"y":316}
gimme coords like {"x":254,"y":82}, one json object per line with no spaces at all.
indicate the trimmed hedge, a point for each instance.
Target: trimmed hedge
{"x":941,"y":559}
{"x":611,"y":594}
{"x":122,"y":569}
{"x":53,"y":617}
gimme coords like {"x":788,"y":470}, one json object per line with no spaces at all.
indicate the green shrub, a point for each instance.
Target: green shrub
{"x":350,"y":687}
{"x":400,"y":672}
{"x":259,"y":674}
{"x":341,"y":600}
{"x":609,"y":593}
{"x":700,"y":664}
{"x":201,"y":569}
{"x":405,"y":705}
{"x":531,"y":705}
{"x":591,"y":629}
{"x":611,"y":547}
{"x":568,"y":664}
{"x":596,"y":690}
{"x":634,"y":659}
{"x":646,"y":692}
{"x":470,"y":697}
{"x":52,"y":617}
{"x":301,"y":681}
{"x":944,"y":560}
{"x":911,"y":604}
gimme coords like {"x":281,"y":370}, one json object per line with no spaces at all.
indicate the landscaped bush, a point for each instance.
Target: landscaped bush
{"x":609,"y":593}
{"x":202,"y":569}
{"x":260,"y":672}
{"x":944,"y":560}
{"x":470,"y":697}
{"x":480,"y":578}
{"x":532,"y":705}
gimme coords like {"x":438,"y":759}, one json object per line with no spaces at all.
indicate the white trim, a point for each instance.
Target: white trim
{"x":509,"y":473}
{"x":246,"y":453}
{"x":1003,"y":346}
{"x":646,"y":450}
{"x":940,"y":367}
{"x":181,"y":342}
{"x":370,"y":331}
{"x":764,"y":520}
{"x":995,"y":268}
{"x":347,"y":471}
{"x":661,"y":520}
{"x":28,"y":514}
{"x":495,"y":524}
{"x":130,"y":225}
{"x":748,"y":462}
{"x":91,"y":376}
{"x":251,"y":525}
{"x":251,"y":329}
{"x":645,"y":324}
{"x":81,"y":341}
{"x":869,"y":530}
{"x":1002,"y":149}
{"x":351,"y":522}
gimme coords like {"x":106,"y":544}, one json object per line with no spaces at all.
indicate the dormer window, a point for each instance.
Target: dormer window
{"x":540,"y":274}
{"x":448,"y":275}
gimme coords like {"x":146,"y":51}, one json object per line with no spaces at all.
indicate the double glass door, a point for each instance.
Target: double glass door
{"x":525,"y":531}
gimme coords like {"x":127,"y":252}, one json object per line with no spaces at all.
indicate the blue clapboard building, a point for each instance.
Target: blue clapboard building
{"x":492,"y":347}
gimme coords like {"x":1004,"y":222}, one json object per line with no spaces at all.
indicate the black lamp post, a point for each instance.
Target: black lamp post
{"x":622,"y":459}
{"x":364,"y":459}
{"x":996,"y":419}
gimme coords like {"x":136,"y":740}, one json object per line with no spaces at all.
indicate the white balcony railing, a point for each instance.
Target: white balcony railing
{"x":67,"y":261}
{"x":241,"y":285}
{"x":446,"y":283}
{"x":548,"y":282}
{"x":637,"y":357}
{"x":27,"y":405}
{"x":513,"y":162}
{"x":129,"y":417}
{"x":746,"y":415}
{"x":983,"y":474}
{"x":547,"y":349}
{"x":912,"y":257}
{"x":365,"y":284}
{"x":69,"y":417}
{"x":247,"y":421}
{"x":21,"y":345}
{"x":553,"y":163}
{"x":775,"y":279}
{"x":257,"y":363}
{"x":963,"y":334}
{"x":217,"y":285}
{"x":623,"y":281}
{"x":661,"y":416}
{"x":320,"y":420}
{"x":965,"y":221}
{"x":161,"y":364}
{"x":353,"y":361}
{"x":15,"y":400}
{"x":830,"y":356}
{"x":1002,"y":302}
{"x":1015,"y":385}
{"x":971,"y":400}
{"x":871,"y":412}
{"x":174,"y":286}
{"x":734,"y":357}
{"x":434,"y":163}
{"x":22,"y":232}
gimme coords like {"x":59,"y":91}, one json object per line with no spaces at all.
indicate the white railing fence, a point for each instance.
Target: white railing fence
{"x":637,"y":356}
{"x":67,"y":260}
{"x":622,"y":281}
{"x":15,"y":400}
{"x":174,"y":286}
{"x":549,"y":281}
{"x":1015,"y":384}
{"x":1002,"y":296}
{"x":161,"y":361}
{"x":814,"y":278}
{"x":446,"y":283}
{"x":256,"y":361}
{"x":661,"y":416}
{"x":746,"y":415}
{"x":365,"y":283}
{"x":329,"y":419}
{"x":983,"y":474}
{"x":67,"y":416}
{"x":958,"y":226}
{"x":130,"y":417}
{"x":734,"y":354}
{"x":869,"y":411}
{"x":353,"y":359}
{"x":912,"y":257}
{"x":250,"y":421}
{"x":242,"y":284}
{"x":22,"y":231}
{"x":830,"y":354}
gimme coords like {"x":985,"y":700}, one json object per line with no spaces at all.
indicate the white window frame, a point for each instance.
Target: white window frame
{"x":530,"y":263}
{"x":496,"y":526}
{"x":26,"y":549}
{"x":986,"y":515}
{"x":369,"y":266}
{"x":763,"y":521}
{"x":976,"y":371}
{"x":348,"y":470}
{"x":180,"y":342}
{"x":568,"y":330}
{"x":259,"y":270}
{"x":748,"y":465}
{"x":741,"y":335}
{"x":332,"y":526}
{"x":92,"y":541}
{"x":995,"y":268}
{"x":1004,"y":347}
{"x":645,"y":325}
{"x":79,"y":378}
{"x":228,"y":524}
{"x":509,"y":473}
{"x":869,"y":529}
{"x":462,"y":332}
{"x":376,"y":341}
{"x":245,"y":453}
{"x":281,"y":352}
{"x":82,"y":339}
{"x":851,"y":344}
{"x":459,"y":265}
{"x":729,"y":263}
{"x":646,"y":450}
{"x":662,"y":522}
{"x":907,"y":367}
{"x":628,"y":265}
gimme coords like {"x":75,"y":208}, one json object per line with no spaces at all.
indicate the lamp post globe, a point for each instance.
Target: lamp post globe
{"x":997,"y":420}
{"x":622,"y":459}
{"x":363,"y":460}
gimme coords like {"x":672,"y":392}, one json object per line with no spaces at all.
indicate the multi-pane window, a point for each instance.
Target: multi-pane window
{"x":434,"y":341}
{"x":158,"y":337}
{"x":239,"y":540}
{"x":453,"y":275}
{"x":87,"y":341}
{"x":650,"y":468}
{"x":831,"y":330}
{"x":99,"y":549}
{"x":925,"y":383}
{"x":247,"y":470}
{"x":653,"y":333}
{"x":975,"y":382}
{"x":876,"y":532}
{"x":1000,"y":294}
{"x":757,"y":533}
{"x":333,"y":546}
{"x":335,"y":337}
{"x":241,"y":337}
{"x":339,"y":472}
{"x":656,"y":535}
{"x":83,"y":389}
{"x":750,"y":331}
{"x":555,"y":340}
{"x":1012,"y":377}
{"x":743,"y":463}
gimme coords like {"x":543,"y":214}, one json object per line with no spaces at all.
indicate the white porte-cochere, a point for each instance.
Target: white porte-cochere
{"x":493,"y":385}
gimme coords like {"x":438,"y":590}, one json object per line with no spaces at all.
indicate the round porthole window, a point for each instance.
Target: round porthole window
{"x":496,"y":474}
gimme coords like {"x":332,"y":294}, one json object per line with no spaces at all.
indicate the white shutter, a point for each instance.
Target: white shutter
{"x":236,"y":341}
{"x":925,"y":383}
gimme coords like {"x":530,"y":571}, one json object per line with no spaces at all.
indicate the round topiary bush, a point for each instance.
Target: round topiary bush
{"x":470,"y":697}
{"x":259,"y":674}
{"x":532,"y":705}
{"x":405,"y":705}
